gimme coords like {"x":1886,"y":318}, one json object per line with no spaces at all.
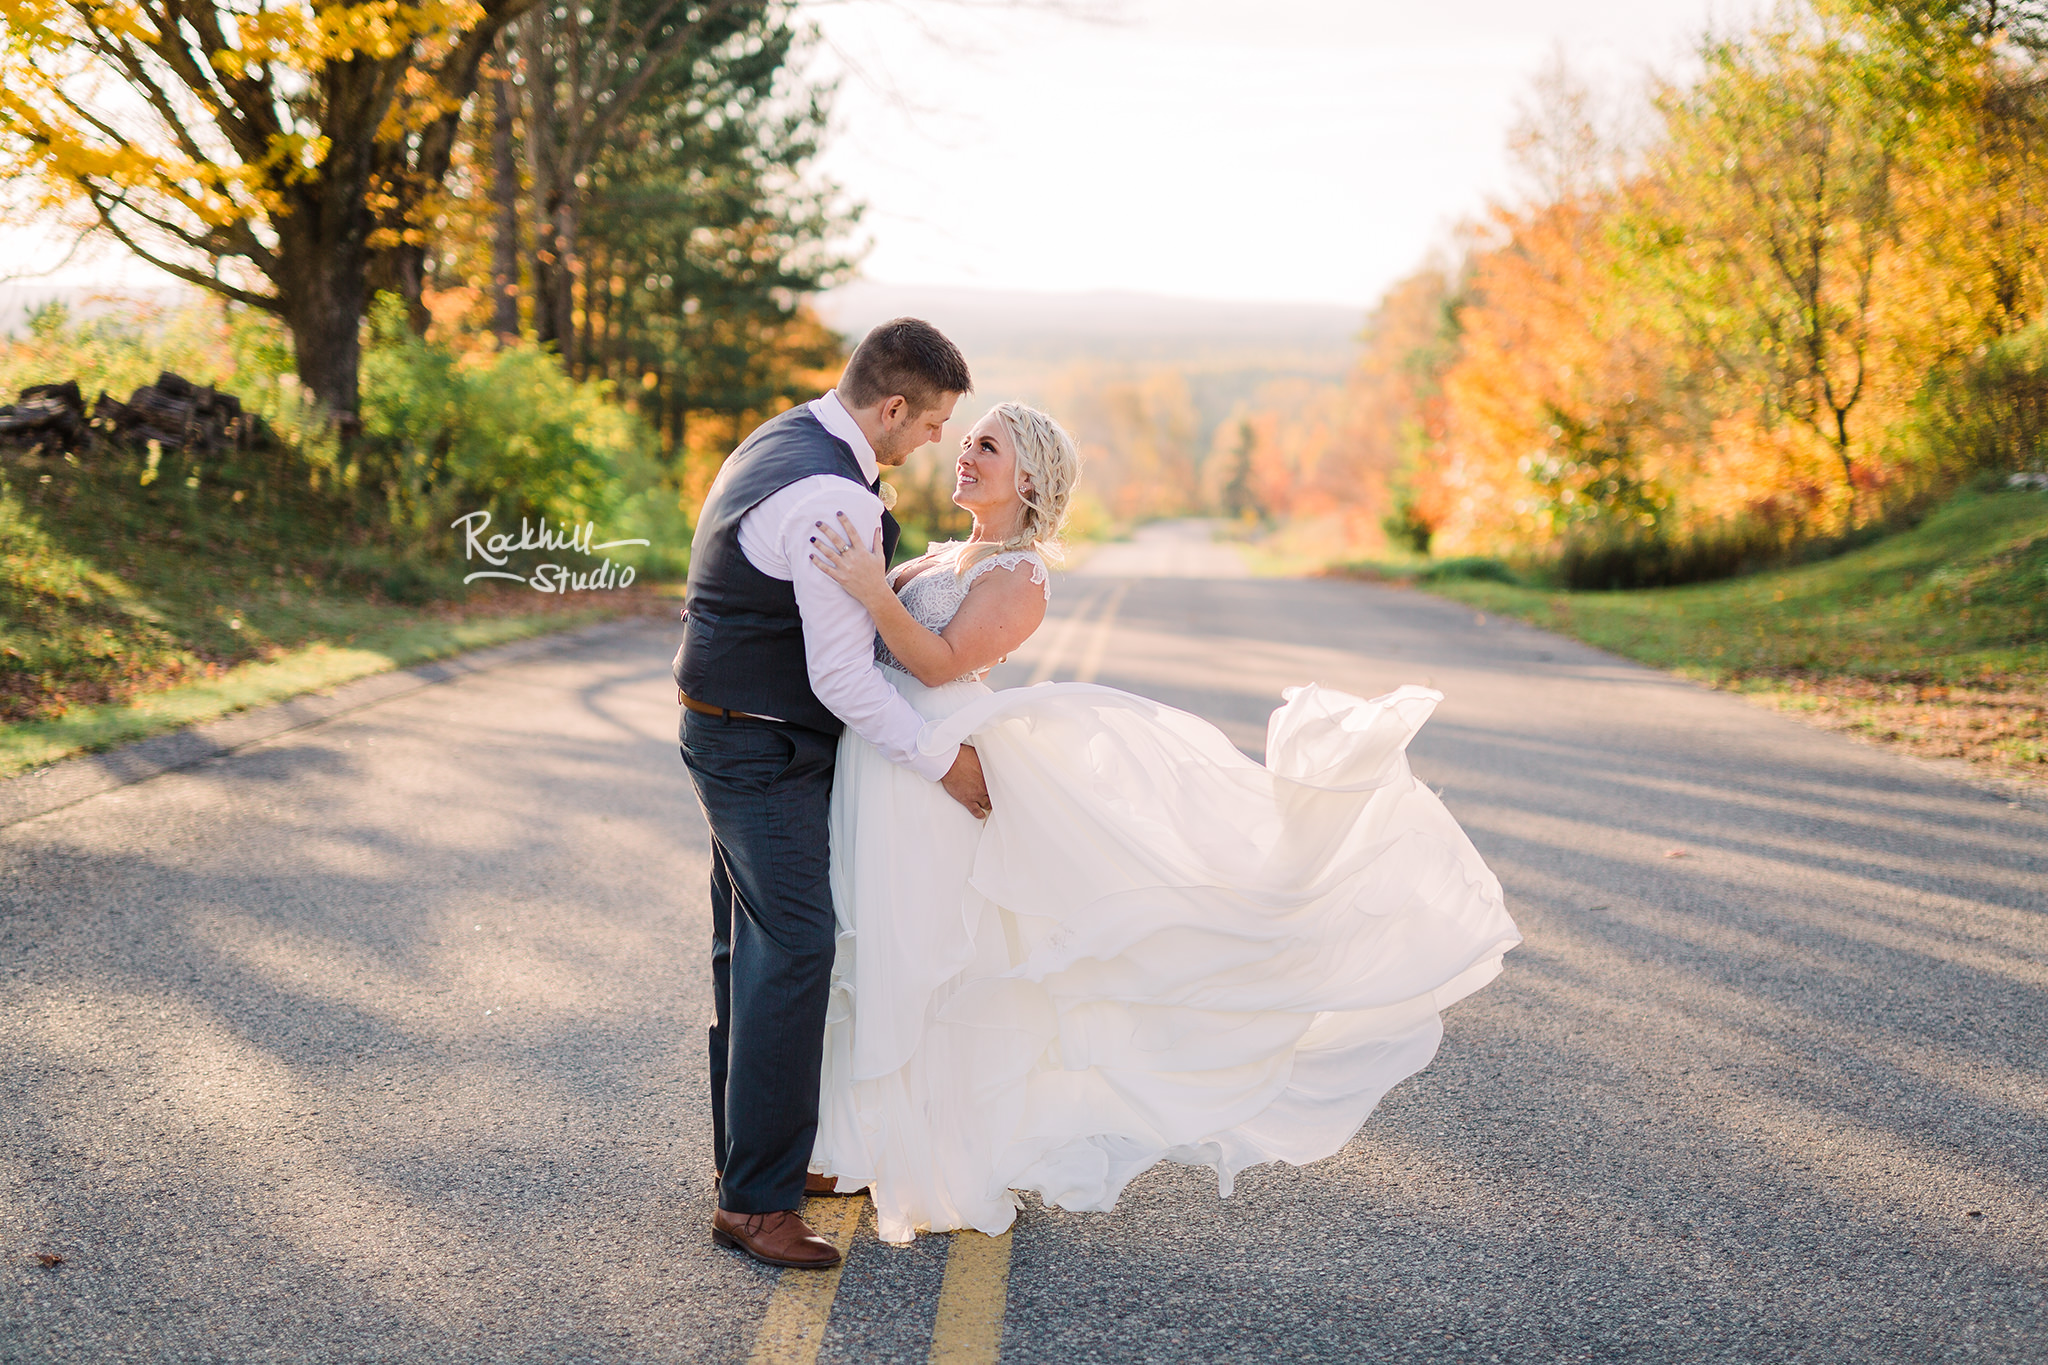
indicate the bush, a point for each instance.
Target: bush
{"x":1620,"y":560}
{"x":233,"y":348}
{"x":1589,"y":479}
{"x":1653,"y":559}
{"x":1405,"y":526}
{"x":508,"y":432}
{"x":1988,"y":413}
{"x":505,"y":431}
{"x":1616,"y":560}
{"x":1470,"y":568}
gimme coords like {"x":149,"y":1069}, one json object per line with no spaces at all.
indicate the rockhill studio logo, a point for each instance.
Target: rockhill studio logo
{"x":499,"y":549}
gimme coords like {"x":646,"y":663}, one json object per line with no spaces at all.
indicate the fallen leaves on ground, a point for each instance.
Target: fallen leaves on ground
{"x":2000,"y":725}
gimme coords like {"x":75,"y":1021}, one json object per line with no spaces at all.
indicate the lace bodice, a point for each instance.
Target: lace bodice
{"x":935,"y":595}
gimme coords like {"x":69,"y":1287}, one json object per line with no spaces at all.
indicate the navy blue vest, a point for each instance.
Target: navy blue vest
{"x":743,"y":641}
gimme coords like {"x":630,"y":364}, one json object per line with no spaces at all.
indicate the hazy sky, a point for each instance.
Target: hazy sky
{"x":1292,"y":149}
{"x":1305,"y":150}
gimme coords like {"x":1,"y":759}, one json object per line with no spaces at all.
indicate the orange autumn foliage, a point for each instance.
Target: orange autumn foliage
{"x":1544,"y":331}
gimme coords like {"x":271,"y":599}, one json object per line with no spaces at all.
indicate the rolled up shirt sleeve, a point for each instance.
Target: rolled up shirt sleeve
{"x":839,"y":635}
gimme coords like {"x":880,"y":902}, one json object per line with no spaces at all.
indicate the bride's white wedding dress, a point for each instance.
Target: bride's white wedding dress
{"x":1154,"y":949}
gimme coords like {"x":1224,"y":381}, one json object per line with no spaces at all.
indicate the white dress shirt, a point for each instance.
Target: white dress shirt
{"x":839,"y":635}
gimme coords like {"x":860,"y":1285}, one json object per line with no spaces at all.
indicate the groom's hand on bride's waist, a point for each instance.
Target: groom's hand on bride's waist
{"x":965,"y":784}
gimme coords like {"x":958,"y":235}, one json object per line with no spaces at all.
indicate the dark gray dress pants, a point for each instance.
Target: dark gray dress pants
{"x":766,"y":789}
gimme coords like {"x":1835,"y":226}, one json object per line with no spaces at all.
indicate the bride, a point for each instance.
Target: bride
{"x":1153,"y":948}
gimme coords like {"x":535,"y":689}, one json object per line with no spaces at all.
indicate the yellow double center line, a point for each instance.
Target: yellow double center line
{"x":976,"y":1290}
{"x":793,"y":1328}
{"x":972,"y":1298}
{"x":1062,"y":642}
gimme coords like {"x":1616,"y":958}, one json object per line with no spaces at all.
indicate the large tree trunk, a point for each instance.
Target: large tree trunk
{"x":552,"y":282}
{"x":323,"y":304}
{"x":554,"y":292}
{"x":322,"y":263}
{"x":505,"y":225}
{"x":331,"y":271}
{"x":401,"y":270}
{"x":586,"y":328}
{"x":329,"y":352}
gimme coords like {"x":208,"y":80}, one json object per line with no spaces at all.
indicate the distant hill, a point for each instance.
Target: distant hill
{"x":1142,"y":328}
{"x":1055,"y":349}
{"x":19,"y":300}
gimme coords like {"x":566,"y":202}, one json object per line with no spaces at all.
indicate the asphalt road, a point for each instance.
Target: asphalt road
{"x":382,"y":1040}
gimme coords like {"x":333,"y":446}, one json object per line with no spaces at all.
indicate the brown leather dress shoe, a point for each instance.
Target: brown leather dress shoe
{"x":781,"y":1239}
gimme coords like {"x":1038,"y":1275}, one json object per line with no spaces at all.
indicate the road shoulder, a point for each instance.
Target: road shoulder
{"x":70,"y":780}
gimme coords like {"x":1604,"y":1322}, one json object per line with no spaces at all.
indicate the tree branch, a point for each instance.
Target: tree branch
{"x":268,"y":304}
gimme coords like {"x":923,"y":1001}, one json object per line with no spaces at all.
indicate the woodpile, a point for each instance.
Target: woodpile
{"x":177,"y":413}
{"x":174,"y":412}
{"x":48,"y":414}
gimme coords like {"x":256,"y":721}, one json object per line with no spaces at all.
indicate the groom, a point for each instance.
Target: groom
{"x":776,"y":658}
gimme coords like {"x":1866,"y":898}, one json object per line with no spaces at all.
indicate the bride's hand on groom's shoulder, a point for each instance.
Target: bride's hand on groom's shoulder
{"x":864,"y":573}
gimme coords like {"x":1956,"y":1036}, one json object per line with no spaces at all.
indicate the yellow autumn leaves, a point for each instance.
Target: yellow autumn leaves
{"x":197,"y":122}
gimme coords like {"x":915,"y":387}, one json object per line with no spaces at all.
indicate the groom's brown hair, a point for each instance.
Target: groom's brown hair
{"x":906,"y":356}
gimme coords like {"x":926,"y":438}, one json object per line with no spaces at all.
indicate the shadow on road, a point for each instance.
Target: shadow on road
{"x":379,"y":1042}
{"x":385,"y":1042}
{"x":1779,"y":1097}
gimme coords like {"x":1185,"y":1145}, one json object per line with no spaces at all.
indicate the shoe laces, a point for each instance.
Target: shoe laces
{"x":754,"y":1224}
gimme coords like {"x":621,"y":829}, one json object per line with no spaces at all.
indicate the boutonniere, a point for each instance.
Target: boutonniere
{"x":887,"y":494}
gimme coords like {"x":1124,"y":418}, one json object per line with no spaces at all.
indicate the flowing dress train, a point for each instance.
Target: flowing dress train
{"x":1154,"y":948}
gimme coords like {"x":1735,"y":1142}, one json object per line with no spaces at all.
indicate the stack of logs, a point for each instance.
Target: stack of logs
{"x":174,"y":412}
{"x":48,"y":414}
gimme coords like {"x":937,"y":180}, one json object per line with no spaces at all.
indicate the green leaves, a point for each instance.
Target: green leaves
{"x":507,"y":431}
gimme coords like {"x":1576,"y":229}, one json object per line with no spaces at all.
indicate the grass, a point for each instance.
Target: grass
{"x":139,"y":597}
{"x":1934,"y":639}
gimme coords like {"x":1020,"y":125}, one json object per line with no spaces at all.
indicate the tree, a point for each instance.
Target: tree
{"x":1144,"y":428}
{"x":279,"y":157}
{"x":584,"y":74}
{"x":700,"y":226}
{"x":1811,"y":295}
{"x":1774,"y":203}
{"x":699,"y":233}
{"x":1396,"y":393}
{"x":1238,"y":499}
{"x":1974,"y":74}
{"x":505,"y":213}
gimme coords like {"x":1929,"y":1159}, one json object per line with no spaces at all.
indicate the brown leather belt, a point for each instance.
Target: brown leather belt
{"x":690,"y":703}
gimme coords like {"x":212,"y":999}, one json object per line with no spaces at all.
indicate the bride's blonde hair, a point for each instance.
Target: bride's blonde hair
{"x":1048,"y":468}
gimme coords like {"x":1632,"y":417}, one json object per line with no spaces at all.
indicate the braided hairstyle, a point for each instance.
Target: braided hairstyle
{"x":1048,"y":468}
